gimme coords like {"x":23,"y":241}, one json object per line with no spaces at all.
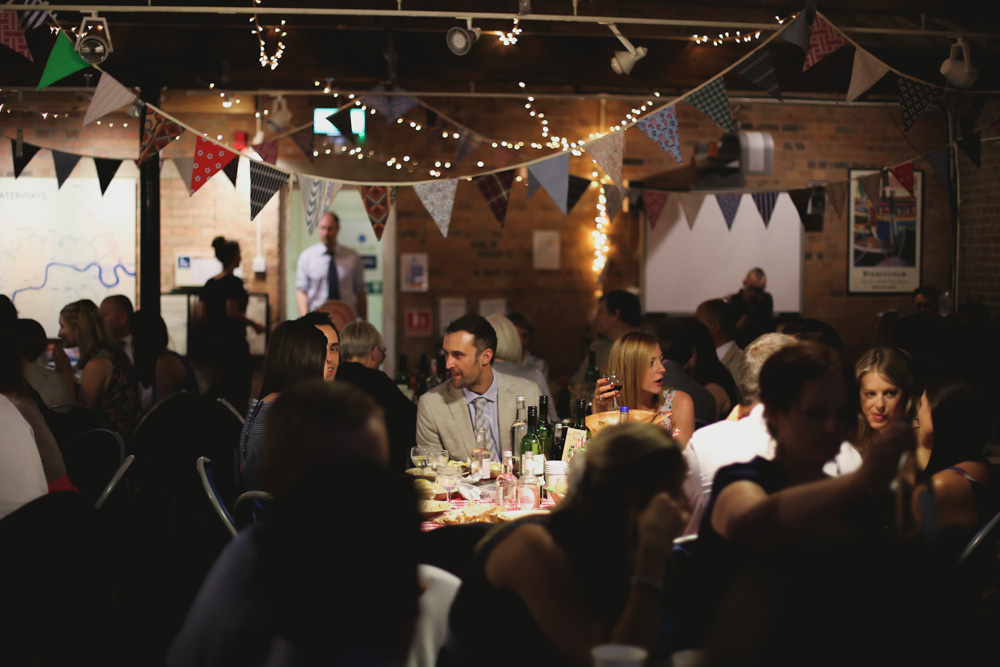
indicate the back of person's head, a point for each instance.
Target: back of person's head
{"x":31,"y":339}
{"x":120,"y":303}
{"x":483,"y":334}
{"x":334,"y":580}
{"x":522,"y":321}
{"x":149,"y":341}
{"x":508,"y":342}
{"x":787,"y":371}
{"x":92,"y":330}
{"x":318,"y":318}
{"x":883,"y":332}
{"x":225,"y":250}
{"x":961,"y":417}
{"x":676,"y":342}
{"x":624,"y":304}
{"x":315,"y":422}
{"x":816,"y":331}
{"x":756,"y":353}
{"x":358,"y":339}
{"x":630,"y":357}
{"x":8,"y":314}
{"x":296,"y":351}
{"x":719,"y":311}
{"x":340,"y":313}
{"x":11,"y":371}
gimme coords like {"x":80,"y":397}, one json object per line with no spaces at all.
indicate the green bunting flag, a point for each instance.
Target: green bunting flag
{"x":63,"y":61}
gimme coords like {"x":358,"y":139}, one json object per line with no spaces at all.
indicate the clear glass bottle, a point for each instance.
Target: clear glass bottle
{"x":623,"y":415}
{"x":479,"y":464}
{"x":519,"y":427}
{"x":507,"y":483}
{"x":529,"y":489}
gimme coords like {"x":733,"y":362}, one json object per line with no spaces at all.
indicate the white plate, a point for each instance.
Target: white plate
{"x":513,"y":515}
{"x":431,"y":507}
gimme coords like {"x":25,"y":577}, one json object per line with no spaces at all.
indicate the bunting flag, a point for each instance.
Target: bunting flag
{"x":467,"y":143}
{"x":157,"y":132}
{"x":377,"y":203}
{"x":392,"y":107}
{"x":662,"y":128}
{"x":108,"y":96}
{"x":304,"y":140}
{"x":209,"y":158}
{"x":64,"y":163}
{"x":342,"y":121}
{"x":872,"y":186}
{"x":63,"y":61}
{"x":35,"y":19}
{"x":505,"y":157}
{"x":836,"y":194}
{"x":553,"y":175}
{"x":968,"y":109}
{"x":231,"y":170}
{"x":712,"y":101}
{"x":801,"y":198}
{"x":913,"y":98}
{"x":823,"y":40}
{"x":613,"y":196}
{"x":533,"y":184}
{"x":27,"y":152}
{"x":106,"y":170}
{"x":759,"y":70}
{"x":495,"y":189}
{"x":265,"y":180}
{"x":970,"y":145}
{"x":577,"y":186}
{"x":12,"y":36}
{"x":866,"y":73}
{"x":608,"y":152}
{"x":654,"y":202}
{"x":267,"y":150}
{"x":691,"y":204}
{"x":184,"y":167}
{"x":317,"y":195}
{"x":904,"y":174}
{"x":939,"y":160}
{"x":729,"y":204}
{"x":765,"y":202}
{"x":797,"y":32}
{"x":438,"y":197}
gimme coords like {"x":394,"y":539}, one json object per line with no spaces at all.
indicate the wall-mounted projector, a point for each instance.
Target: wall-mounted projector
{"x":725,"y":163}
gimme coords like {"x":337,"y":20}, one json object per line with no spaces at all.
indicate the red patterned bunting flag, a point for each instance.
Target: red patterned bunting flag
{"x":377,"y":203}
{"x":12,"y":36}
{"x":824,"y":40}
{"x":904,"y":174}
{"x":157,"y":133}
{"x":208,"y":159}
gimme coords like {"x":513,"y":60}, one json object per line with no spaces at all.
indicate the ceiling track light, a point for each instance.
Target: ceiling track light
{"x":624,"y":61}
{"x":93,"y":40}
{"x":460,"y":40}
{"x":959,"y":73}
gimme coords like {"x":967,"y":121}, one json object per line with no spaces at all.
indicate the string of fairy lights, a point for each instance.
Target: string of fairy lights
{"x":279,"y":32}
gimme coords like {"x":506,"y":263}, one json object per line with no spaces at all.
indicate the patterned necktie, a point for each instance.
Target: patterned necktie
{"x":480,"y":405}
{"x":333,"y":280}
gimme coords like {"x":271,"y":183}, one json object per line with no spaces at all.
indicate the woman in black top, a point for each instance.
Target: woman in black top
{"x":222,"y":310}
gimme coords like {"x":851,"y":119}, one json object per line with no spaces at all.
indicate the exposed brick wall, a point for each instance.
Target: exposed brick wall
{"x":979,"y":267}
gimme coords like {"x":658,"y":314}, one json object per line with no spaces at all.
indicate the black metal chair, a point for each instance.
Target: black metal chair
{"x":92,"y":459}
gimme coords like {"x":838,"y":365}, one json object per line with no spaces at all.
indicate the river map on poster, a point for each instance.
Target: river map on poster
{"x":59,"y":245}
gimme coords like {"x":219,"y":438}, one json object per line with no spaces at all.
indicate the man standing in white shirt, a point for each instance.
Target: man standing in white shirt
{"x":320,"y":262}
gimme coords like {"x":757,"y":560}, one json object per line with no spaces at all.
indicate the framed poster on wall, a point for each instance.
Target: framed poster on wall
{"x":885,"y":240}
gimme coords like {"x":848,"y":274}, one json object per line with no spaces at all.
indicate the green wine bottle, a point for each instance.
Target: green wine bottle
{"x":544,"y":427}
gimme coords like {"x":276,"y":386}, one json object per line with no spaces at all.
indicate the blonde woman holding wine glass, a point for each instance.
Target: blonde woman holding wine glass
{"x":636,"y":358}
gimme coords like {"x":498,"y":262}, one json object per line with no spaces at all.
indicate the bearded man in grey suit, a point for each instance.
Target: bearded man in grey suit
{"x":473,"y":396}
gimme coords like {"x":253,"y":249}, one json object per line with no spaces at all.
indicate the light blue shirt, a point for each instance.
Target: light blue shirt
{"x":489,"y":411}
{"x":312,"y":270}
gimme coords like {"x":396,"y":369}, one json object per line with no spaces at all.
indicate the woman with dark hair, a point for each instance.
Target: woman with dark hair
{"x":222,"y":310}
{"x":589,"y":573}
{"x":709,"y":372}
{"x":108,"y":384}
{"x":297,"y":351}
{"x":161,"y":371}
{"x":888,"y":394}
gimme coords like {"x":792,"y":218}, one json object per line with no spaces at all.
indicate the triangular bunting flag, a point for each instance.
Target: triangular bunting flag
{"x":438,"y":197}
{"x":27,"y":152}
{"x":342,"y":121}
{"x":939,"y":160}
{"x":304,"y":140}
{"x":533,"y":184}
{"x":495,"y":189}
{"x":577,"y":186}
{"x":837,"y":193}
{"x":317,"y":195}
{"x":797,"y":32}
{"x":466,"y":144}
{"x":231,"y":170}
{"x":904,"y":174}
{"x":970,"y":145}
{"x":729,"y":204}
{"x":108,"y":96}
{"x":12,"y":35}
{"x":968,"y":109}
{"x":800,"y":198}
{"x":759,"y":69}
{"x":691,"y":204}
{"x":208,"y":159}
{"x":505,"y":157}
{"x":662,"y":128}
{"x":265,"y":180}
{"x":63,"y":61}
{"x":106,"y":170}
{"x":823,"y":40}
{"x":65,"y":163}
{"x":399,"y":105}
{"x":184,"y":167}
{"x":268,"y":151}
{"x":608,"y":152}
{"x":35,"y":19}
{"x":712,"y":101}
{"x":765,"y":202}
{"x":377,"y":203}
{"x":613,"y":196}
{"x":913,"y":98}
{"x":867,"y":71}
{"x":553,"y":175}
{"x":872,"y":188}
{"x":157,"y":132}
{"x":654,"y":202}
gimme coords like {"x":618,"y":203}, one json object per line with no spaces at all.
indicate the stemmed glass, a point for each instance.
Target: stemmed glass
{"x":616,"y":386}
{"x":449,"y":477}
{"x":437,"y":458}
{"x":419,"y":455}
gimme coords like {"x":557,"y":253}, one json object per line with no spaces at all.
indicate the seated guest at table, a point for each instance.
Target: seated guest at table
{"x":296,"y":351}
{"x":677,"y":347}
{"x":817,"y":331}
{"x":362,"y":352}
{"x":117,"y":311}
{"x":888,"y":395}
{"x":526,"y":332}
{"x":636,"y":358}
{"x":474,"y":394}
{"x":31,"y":343}
{"x":709,"y":372}
{"x":506,"y":361}
{"x":108,"y":384}
{"x":617,"y":311}
{"x":161,"y":371}
{"x":598,"y":563}
{"x":720,"y":320}
{"x":322,"y":321}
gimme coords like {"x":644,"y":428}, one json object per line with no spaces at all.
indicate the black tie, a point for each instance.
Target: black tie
{"x":333,"y":280}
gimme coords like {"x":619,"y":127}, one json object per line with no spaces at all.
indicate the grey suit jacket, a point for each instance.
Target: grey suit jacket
{"x":443,"y":415}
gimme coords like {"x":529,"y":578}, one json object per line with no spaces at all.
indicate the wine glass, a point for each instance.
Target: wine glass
{"x":449,"y":477}
{"x":616,"y":386}
{"x":437,"y":458}
{"x":419,"y":455}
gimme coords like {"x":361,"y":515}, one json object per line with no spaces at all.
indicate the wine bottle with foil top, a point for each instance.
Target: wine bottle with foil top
{"x":529,"y":442}
{"x":544,"y":430}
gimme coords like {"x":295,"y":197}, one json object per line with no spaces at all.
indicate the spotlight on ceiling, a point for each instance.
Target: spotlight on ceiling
{"x":136,"y":109}
{"x":460,"y":40}
{"x":959,"y":73}
{"x":624,"y":61}
{"x":93,"y":41}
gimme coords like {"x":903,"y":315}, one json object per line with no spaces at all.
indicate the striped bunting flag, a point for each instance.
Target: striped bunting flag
{"x":108,"y":96}
{"x":759,"y":69}
{"x":34,"y":19}
{"x":867,"y":71}
{"x":713,"y":101}
{"x":317,"y":195}
{"x":265,"y":180}
{"x":765,"y":202}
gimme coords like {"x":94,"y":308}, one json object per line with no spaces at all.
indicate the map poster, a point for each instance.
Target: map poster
{"x":59,"y":245}
{"x":885,"y":240}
